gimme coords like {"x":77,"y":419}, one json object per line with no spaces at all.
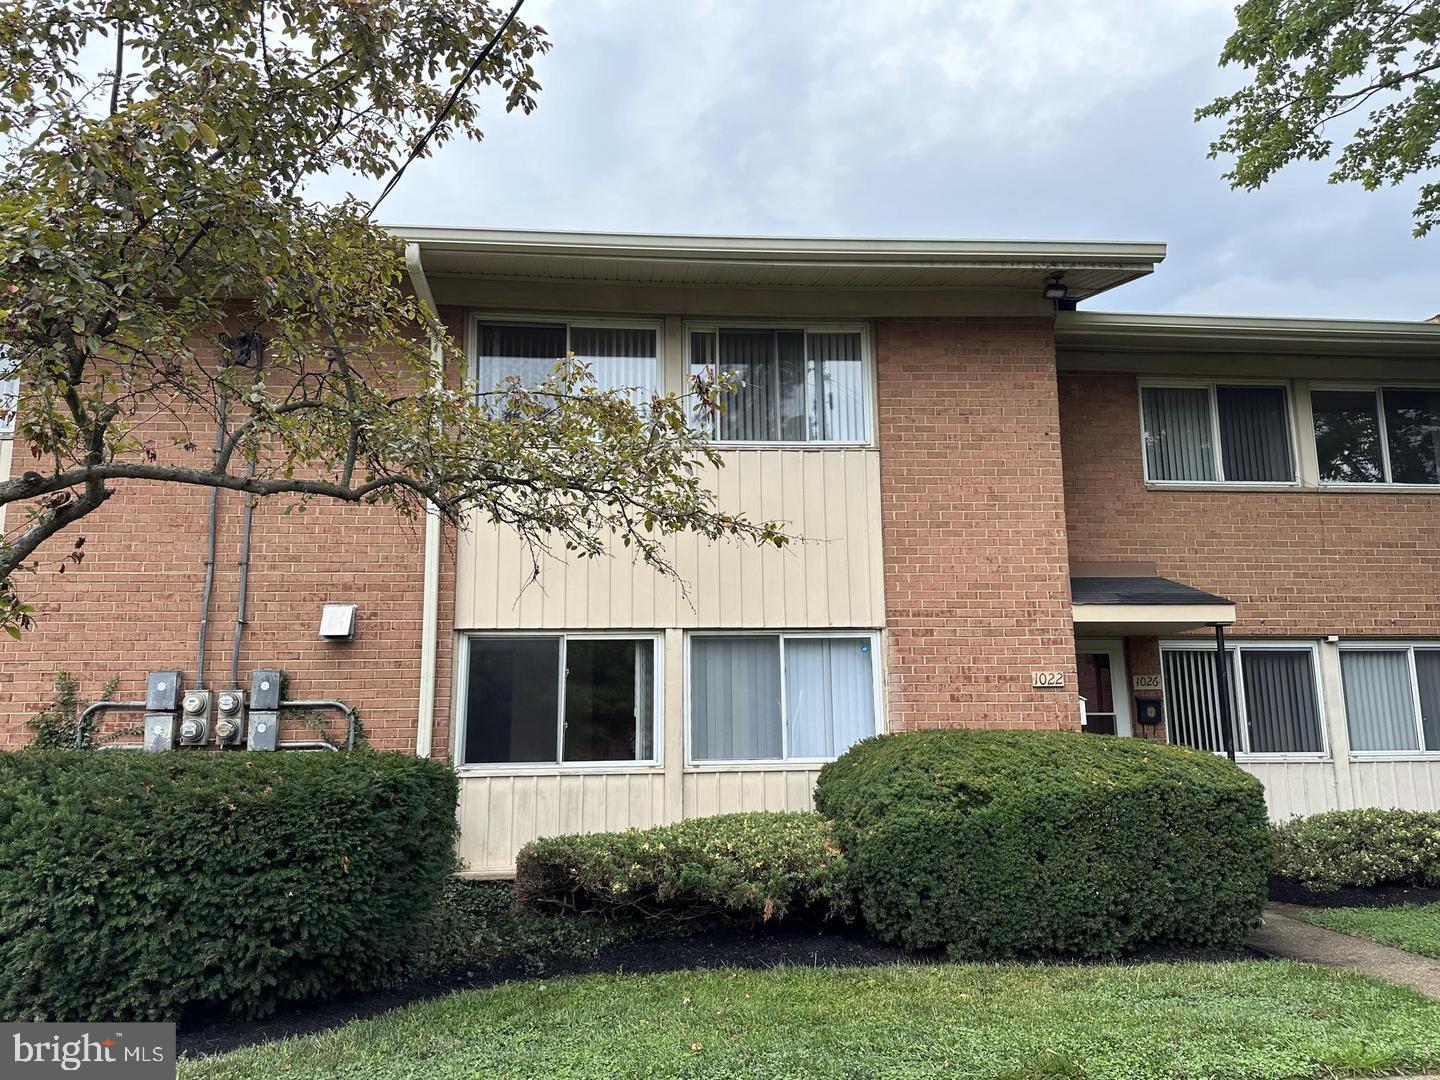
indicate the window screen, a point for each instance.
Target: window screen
{"x":794,"y":386}
{"x":1412,"y":425}
{"x":1254,"y":434}
{"x":776,"y":697}
{"x":1179,"y":439}
{"x":1383,"y":689}
{"x":1275,"y":707}
{"x":521,"y":708}
{"x":1282,"y":713}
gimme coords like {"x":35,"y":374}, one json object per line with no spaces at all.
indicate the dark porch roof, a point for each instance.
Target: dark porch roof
{"x":1138,"y":590}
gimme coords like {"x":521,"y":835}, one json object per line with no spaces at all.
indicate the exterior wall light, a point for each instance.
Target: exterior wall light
{"x":1055,"y":288}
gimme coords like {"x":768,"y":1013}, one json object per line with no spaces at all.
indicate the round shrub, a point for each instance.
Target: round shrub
{"x":1001,"y":844}
{"x":1350,"y":848}
{"x":141,"y":886}
{"x":754,"y":867}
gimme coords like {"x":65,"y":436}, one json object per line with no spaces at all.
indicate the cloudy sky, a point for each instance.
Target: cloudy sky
{"x":924,"y":118}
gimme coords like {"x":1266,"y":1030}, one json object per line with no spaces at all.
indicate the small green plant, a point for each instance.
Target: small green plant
{"x":1361,"y":848}
{"x":54,"y":725}
{"x":757,"y":867}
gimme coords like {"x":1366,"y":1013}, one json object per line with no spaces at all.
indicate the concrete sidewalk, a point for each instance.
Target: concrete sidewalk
{"x":1286,"y":936}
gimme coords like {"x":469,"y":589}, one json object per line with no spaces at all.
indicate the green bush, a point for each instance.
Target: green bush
{"x":1005,"y":843}
{"x":1361,"y":848}
{"x":144,"y":886}
{"x":762,"y":867}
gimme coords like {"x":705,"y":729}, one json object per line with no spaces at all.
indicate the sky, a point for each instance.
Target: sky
{"x":924,"y":118}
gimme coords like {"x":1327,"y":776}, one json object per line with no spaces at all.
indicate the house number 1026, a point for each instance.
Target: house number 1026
{"x":1047,"y":679}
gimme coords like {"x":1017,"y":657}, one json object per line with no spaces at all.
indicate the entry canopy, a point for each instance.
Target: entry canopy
{"x":1143,"y":606}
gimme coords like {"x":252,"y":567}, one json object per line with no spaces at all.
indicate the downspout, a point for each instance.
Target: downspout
{"x":430,"y":597}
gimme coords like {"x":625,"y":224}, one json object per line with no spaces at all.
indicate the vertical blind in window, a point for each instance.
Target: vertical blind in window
{"x":618,"y":357}
{"x":739,"y":712}
{"x":1254,"y":434}
{"x":1274,"y":704}
{"x":1382,"y":691}
{"x":1192,"y":705}
{"x":1252,"y":423}
{"x":830,"y":699}
{"x":735,"y":698}
{"x":9,"y":395}
{"x":1178,"y":433}
{"x":795,"y":386}
{"x":1282,"y":712}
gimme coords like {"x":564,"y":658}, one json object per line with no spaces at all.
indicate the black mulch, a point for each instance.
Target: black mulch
{"x":717,"y":947}
{"x":1285,"y":891}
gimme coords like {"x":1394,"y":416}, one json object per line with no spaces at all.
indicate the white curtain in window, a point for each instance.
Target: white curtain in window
{"x":1379,"y":704}
{"x":836,"y":387}
{"x":1179,"y":441}
{"x":618,"y":359}
{"x":9,"y":395}
{"x":735,"y":698}
{"x":829,"y":695}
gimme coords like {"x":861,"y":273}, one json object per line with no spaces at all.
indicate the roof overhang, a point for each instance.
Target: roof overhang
{"x":778,"y":262}
{"x":1124,"y":332}
{"x":1148,"y":606}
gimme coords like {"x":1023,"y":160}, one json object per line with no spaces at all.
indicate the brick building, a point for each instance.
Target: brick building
{"x":1015,"y":512}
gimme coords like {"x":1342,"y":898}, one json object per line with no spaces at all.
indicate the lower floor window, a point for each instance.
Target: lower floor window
{"x":1392,"y":698}
{"x":1274,"y":700}
{"x":776,"y":697}
{"x":559,"y":699}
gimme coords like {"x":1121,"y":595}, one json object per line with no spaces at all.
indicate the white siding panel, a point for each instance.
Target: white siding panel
{"x":1300,"y":788}
{"x":831,"y":575}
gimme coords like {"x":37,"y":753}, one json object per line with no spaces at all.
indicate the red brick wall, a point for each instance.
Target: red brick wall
{"x":133,"y":604}
{"x":1296,"y":563}
{"x":976,"y":587}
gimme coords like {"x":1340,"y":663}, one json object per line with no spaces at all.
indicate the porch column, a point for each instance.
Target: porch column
{"x":1222,"y":687}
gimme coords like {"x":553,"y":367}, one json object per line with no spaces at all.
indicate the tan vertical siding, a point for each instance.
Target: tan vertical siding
{"x":1294,"y":788}
{"x":831,"y":578}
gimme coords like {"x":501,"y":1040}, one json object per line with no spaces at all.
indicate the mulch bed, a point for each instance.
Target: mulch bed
{"x":1285,"y":891}
{"x":718,"y":947}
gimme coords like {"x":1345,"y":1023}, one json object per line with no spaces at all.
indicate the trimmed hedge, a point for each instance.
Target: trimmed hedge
{"x":1000,"y":844}
{"x":1361,"y":848}
{"x":146,"y":886}
{"x":762,"y":867}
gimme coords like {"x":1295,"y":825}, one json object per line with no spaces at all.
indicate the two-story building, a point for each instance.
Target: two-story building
{"x":1015,"y":511}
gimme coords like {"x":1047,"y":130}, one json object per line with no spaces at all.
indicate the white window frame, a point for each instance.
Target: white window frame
{"x":1408,"y":647}
{"x":1237,"y":669}
{"x":1215,"y":448}
{"x":462,"y":698}
{"x":472,"y":337}
{"x":9,"y":397}
{"x":783,"y":762}
{"x":808,"y":327}
{"x":1377,"y":389}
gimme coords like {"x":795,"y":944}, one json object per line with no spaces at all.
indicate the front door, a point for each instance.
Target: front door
{"x":1101,"y":669}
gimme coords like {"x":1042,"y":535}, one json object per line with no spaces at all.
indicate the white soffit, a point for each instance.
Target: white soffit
{"x":770,"y":262}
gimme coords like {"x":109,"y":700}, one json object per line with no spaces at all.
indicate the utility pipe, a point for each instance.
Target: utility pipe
{"x":209,"y":588}
{"x":99,"y":706}
{"x":430,"y":594}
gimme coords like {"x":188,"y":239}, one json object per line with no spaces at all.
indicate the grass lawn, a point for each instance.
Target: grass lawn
{"x":1414,"y":927}
{"x":1251,"y":1019}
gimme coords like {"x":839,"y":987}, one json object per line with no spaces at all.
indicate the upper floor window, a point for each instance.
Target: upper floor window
{"x":1387,"y":435}
{"x":1217,"y":433}
{"x":796,"y":384}
{"x":620,"y":357}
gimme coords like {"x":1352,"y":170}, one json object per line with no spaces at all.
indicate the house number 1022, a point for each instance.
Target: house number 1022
{"x":1047,"y":679}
